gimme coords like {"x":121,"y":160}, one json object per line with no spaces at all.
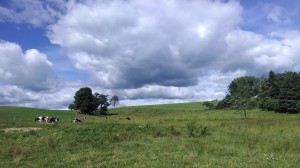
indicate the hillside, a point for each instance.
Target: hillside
{"x":172,"y":135}
{"x":9,"y":113}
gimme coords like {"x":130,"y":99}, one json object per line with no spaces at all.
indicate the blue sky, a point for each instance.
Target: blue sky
{"x":144,"y":52}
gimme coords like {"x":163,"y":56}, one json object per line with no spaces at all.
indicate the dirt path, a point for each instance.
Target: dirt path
{"x":23,"y":129}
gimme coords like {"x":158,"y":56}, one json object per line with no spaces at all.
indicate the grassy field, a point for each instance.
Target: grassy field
{"x":178,"y":135}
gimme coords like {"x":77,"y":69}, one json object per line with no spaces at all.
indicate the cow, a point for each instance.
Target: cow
{"x":46,"y":119}
{"x":53,"y":120}
{"x":76,"y":120}
{"x":39,"y":119}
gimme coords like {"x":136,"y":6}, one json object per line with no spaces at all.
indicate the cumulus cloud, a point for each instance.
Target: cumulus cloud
{"x":131,"y":44}
{"x":211,"y":86}
{"x":18,"y":96}
{"x":258,"y":54}
{"x":147,"y":52}
{"x":168,"y":49}
{"x":31,"y":69}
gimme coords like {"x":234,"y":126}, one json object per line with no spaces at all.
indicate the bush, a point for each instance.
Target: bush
{"x":174,"y":131}
{"x":225,"y":103}
{"x":195,"y":131}
{"x":209,"y":105}
{"x":192,"y":129}
{"x":269,"y":104}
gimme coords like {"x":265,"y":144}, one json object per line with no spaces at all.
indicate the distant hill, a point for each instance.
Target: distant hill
{"x":176,"y":106}
{"x":9,"y":113}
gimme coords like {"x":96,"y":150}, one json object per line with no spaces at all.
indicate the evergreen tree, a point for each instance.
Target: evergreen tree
{"x":280,"y":92}
{"x":273,"y":88}
{"x":289,"y":93}
{"x":265,"y":100}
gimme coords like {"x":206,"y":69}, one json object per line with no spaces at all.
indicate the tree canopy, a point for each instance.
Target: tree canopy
{"x":84,"y":101}
{"x":277,"y":92}
{"x":88,"y":103}
{"x":114,"y":100}
{"x":72,"y":106}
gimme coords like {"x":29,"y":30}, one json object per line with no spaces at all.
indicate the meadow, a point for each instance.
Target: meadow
{"x":174,"y":135}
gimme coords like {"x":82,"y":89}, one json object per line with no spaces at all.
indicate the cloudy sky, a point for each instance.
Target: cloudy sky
{"x":145,"y":52}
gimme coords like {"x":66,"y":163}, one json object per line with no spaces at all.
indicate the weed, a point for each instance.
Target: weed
{"x":173,"y":131}
{"x":197,"y":131}
{"x":192,"y":129}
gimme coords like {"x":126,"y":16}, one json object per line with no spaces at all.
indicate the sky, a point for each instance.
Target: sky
{"x":145,"y":52}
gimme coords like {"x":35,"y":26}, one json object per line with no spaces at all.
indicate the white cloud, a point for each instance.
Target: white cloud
{"x":257,"y":54}
{"x":146,"y":52}
{"x":30,"y":70}
{"x":155,"y":91}
{"x":58,"y":99}
{"x":130,"y":44}
{"x":164,"y":50}
{"x":277,"y":14}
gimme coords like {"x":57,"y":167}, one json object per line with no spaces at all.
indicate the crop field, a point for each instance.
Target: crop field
{"x":174,"y":135}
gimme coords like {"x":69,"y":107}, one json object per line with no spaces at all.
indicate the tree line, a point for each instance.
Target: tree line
{"x":277,"y":92}
{"x":93,"y":104}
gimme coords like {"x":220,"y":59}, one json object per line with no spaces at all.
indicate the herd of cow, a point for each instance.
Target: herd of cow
{"x":52,"y":120}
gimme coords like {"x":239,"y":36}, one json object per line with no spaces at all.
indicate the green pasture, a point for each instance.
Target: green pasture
{"x":178,"y":135}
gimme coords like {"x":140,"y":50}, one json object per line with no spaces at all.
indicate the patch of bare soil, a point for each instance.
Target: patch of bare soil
{"x":23,"y":129}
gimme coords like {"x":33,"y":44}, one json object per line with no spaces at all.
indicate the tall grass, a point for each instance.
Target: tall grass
{"x":153,"y":137}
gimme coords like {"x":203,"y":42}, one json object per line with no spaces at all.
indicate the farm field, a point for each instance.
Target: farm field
{"x":173,"y":135}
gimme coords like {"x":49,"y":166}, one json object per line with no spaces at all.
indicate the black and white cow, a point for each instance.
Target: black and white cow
{"x":76,"y":120}
{"x":46,"y":119}
{"x":40,"y":119}
{"x":53,"y":120}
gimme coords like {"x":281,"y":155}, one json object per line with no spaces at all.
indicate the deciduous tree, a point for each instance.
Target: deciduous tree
{"x":84,"y":101}
{"x":114,"y":100}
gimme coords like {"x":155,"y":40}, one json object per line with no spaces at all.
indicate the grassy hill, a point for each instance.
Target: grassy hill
{"x":173,"y":135}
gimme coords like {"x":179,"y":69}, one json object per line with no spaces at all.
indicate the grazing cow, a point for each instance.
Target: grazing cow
{"x":39,"y":119}
{"x":76,"y":120}
{"x":128,"y":118}
{"x":53,"y":120}
{"x":46,"y":119}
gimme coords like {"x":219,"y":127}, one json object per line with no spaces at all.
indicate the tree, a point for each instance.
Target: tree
{"x":225,"y":103}
{"x":114,"y":100}
{"x":246,"y":84}
{"x":279,"y":92}
{"x":72,"y":106}
{"x":85,"y":101}
{"x":102,"y":101}
{"x":210,"y":105}
{"x":243,"y":92}
{"x":241,"y":99}
{"x":267,"y":97}
{"x":289,"y":93}
{"x":243,"y":103}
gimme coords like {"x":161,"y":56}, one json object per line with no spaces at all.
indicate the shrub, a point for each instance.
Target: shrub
{"x":269,"y":104}
{"x":192,"y":129}
{"x":195,"y":131}
{"x":209,"y":105}
{"x":174,"y":131}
